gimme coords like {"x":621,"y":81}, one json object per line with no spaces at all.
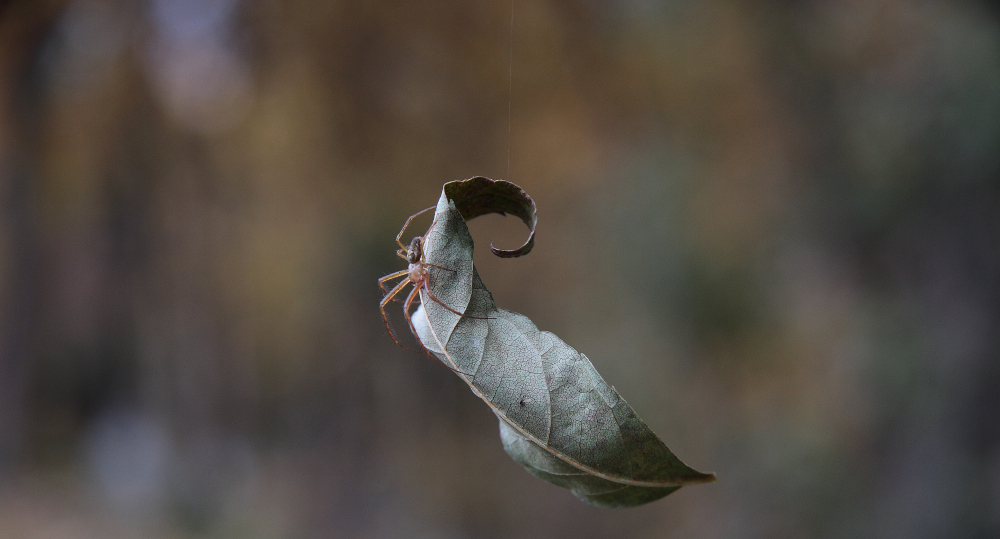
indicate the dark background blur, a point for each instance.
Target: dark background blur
{"x":774,"y":227}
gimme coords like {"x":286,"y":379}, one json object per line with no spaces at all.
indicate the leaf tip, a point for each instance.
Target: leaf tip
{"x":480,"y":195}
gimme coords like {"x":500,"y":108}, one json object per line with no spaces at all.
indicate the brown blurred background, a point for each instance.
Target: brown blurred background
{"x":774,"y":227}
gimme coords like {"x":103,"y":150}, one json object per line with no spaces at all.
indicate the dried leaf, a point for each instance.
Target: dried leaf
{"x":558,"y":418}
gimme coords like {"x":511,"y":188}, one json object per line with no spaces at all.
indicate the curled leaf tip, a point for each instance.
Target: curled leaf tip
{"x":479,"y":195}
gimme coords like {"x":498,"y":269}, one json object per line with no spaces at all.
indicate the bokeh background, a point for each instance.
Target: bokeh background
{"x":774,"y":227}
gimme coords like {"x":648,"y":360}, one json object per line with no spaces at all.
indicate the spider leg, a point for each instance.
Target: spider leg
{"x":439,"y":267}
{"x":409,"y":319}
{"x":381,"y":307}
{"x":441,"y":303}
{"x":406,"y":224}
{"x":390,"y":277}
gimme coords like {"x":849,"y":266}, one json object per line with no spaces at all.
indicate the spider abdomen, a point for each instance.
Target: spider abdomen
{"x":418,"y":274}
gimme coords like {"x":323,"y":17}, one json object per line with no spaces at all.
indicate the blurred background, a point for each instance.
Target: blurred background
{"x":773,"y":227}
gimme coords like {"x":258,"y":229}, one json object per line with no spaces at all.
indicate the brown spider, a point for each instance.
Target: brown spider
{"x":416,"y":274}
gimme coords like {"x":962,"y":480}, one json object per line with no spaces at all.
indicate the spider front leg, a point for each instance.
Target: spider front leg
{"x":406,"y":224}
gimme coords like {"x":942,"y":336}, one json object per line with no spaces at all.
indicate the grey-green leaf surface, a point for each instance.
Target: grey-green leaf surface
{"x":558,"y":417}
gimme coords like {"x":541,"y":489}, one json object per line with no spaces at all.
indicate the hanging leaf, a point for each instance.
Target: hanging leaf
{"x":558,"y":417}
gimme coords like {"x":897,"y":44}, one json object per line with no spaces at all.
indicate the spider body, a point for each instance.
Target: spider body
{"x":416,"y":274}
